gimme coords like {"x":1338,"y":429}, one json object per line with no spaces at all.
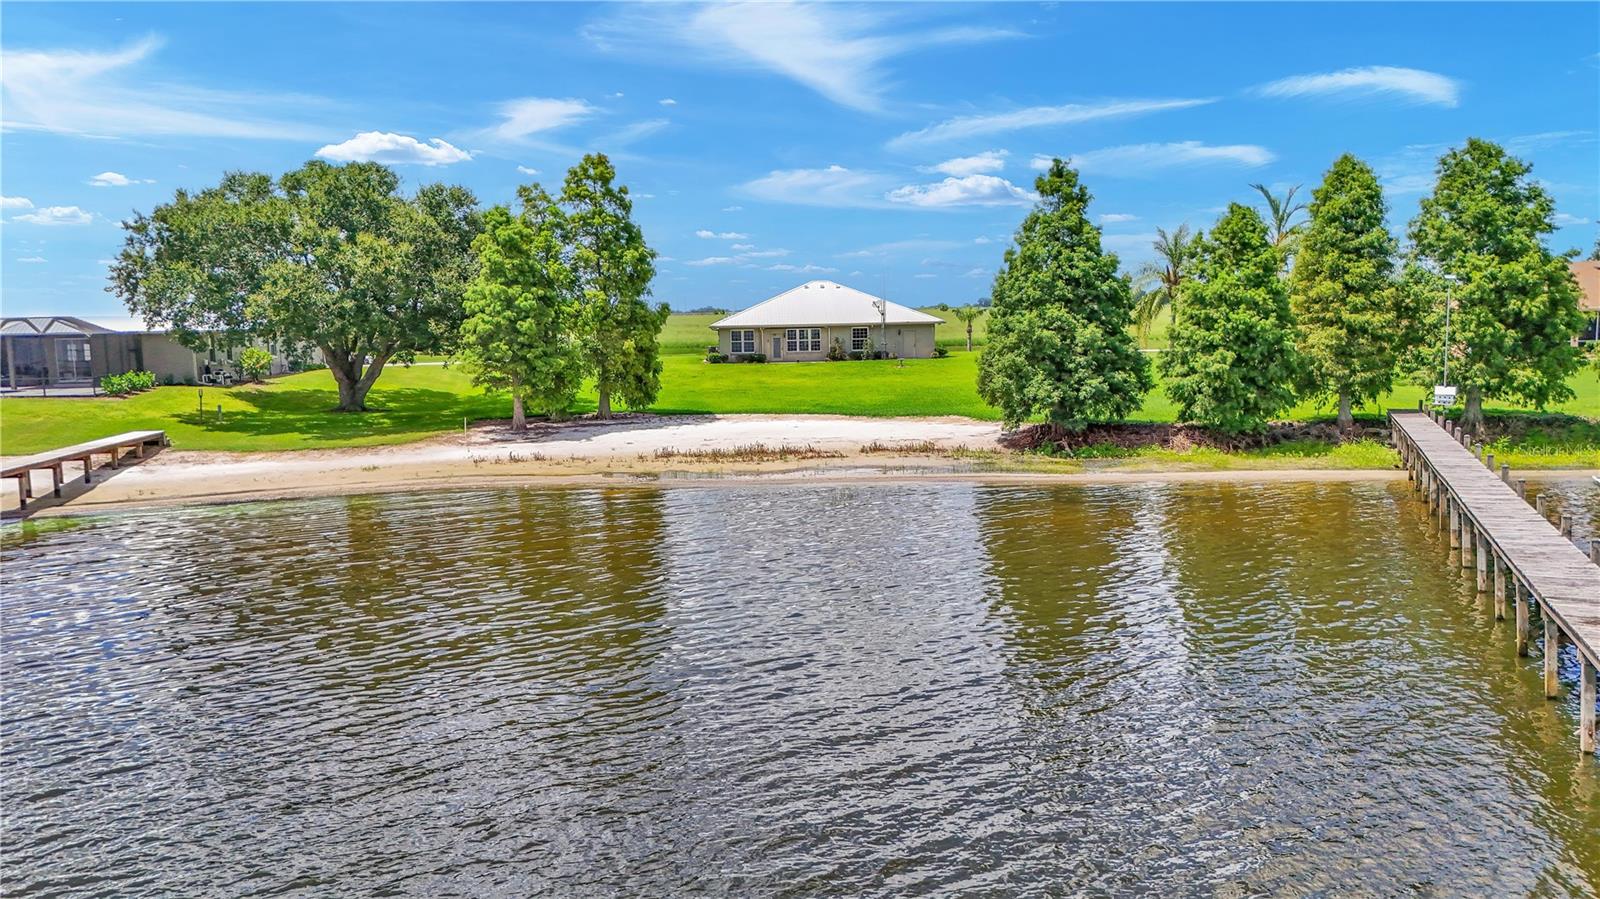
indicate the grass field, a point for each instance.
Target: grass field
{"x":411,"y":403}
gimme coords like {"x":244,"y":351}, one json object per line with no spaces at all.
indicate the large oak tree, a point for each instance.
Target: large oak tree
{"x":331,"y":256}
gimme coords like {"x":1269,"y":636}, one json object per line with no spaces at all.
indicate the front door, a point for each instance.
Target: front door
{"x":777,"y":346}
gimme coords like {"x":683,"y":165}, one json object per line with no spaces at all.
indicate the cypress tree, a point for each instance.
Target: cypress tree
{"x":1059,"y":342}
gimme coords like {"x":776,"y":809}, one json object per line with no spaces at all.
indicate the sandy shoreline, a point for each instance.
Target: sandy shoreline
{"x":680,"y":450}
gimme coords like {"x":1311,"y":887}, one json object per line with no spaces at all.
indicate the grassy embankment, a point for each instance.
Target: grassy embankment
{"x":413,"y":403}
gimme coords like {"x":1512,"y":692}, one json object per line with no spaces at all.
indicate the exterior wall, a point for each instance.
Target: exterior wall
{"x":169,"y":359}
{"x":906,"y":341}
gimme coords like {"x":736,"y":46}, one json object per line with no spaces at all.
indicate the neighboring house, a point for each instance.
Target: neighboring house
{"x":800,"y":324}
{"x":63,"y":350}
{"x":1588,"y":274}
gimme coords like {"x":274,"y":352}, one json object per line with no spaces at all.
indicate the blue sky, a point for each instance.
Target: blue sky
{"x":890,"y":147}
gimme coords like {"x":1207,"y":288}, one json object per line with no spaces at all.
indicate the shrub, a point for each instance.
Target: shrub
{"x":716,"y":358}
{"x":753,"y":357}
{"x":128,"y":382}
{"x":255,"y":362}
{"x":940,"y":352}
{"x":836,"y":351}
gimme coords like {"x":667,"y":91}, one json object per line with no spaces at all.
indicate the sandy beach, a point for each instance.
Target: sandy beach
{"x":643,"y":450}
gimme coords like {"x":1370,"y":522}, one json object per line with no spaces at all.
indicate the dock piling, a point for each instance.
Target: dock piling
{"x":1523,"y":598}
{"x":1586,"y":709}
{"x":1552,"y":658}
{"x":1482,"y":554}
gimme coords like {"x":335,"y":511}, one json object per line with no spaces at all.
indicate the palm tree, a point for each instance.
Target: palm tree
{"x":967,"y":314}
{"x":1158,"y":282}
{"x":1285,"y":232}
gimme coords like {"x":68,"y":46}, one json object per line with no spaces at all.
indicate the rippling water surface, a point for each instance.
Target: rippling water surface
{"x":860,"y":690}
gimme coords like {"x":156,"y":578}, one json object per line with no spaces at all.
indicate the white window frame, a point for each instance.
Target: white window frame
{"x":742,"y":344}
{"x":802,"y":340}
{"x":859,"y":338}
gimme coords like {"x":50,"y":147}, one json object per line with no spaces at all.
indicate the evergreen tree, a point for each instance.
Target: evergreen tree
{"x":520,"y":308}
{"x":1232,"y":360}
{"x":1515,"y":304}
{"x":1059,"y":342}
{"x":618,"y":331}
{"x":1342,"y":290}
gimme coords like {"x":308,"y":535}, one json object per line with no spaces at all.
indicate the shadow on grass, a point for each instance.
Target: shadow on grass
{"x":310,"y":414}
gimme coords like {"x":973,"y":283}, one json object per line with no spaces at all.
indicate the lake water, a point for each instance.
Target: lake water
{"x":747,"y":689}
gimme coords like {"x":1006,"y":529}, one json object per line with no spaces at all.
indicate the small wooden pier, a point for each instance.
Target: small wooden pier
{"x":1515,"y":551}
{"x":54,"y":461}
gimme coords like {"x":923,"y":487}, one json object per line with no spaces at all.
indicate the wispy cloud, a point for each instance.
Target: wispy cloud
{"x":56,"y":215}
{"x":834,"y":186}
{"x":104,"y":94}
{"x":838,"y":51}
{"x":526,"y":170}
{"x":1564,"y":220}
{"x":635,"y":132}
{"x":667,"y":101}
{"x":711,"y":260}
{"x":1412,"y":85}
{"x":32,"y":259}
{"x":972,"y":190}
{"x":807,"y":269}
{"x":527,"y":116}
{"x":1138,"y":159}
{"x":987,"y":161}
{"x":117,"y":179}
{"x":911,"y":245}
{"x":708,"y":234}
{"x":1113,"y":218}
{"x":1037,"y":117}
{"x":15,"y":203}
{"x":393,"y":149}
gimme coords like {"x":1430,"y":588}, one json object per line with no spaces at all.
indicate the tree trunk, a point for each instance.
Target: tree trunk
{"x":1347,"y":421}
{"x":519,"y":418}
{"x":969,"y":337}
{"x":1472,"y":414}
{"x":353,"y":382}
{"x":603,"y":410}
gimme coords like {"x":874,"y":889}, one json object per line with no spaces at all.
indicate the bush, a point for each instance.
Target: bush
{"x":940,"y":352}
{"x":128,"y":382}
{"x":753,"y":357}
{"x":255,"y":362}
{"x":716,"y":358}
{"x":836,"y":351}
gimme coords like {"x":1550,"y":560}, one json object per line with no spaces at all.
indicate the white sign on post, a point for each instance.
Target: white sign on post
{"x":1444,"y":395}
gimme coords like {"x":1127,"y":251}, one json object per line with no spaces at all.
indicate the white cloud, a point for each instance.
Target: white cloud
{"x":117,"y":179}
{"x":807,"y":269}
{"x":667,"y":101}
{"x":743,"y":246}
{"x":733,"y":209}
{"x":56,"y":215}
{"x":925,"y":275}
{"x":720,"y":235}
{"x":1112,"y":218}
{"x":1414,"y":85}
{"x":634,"y":132}
{"x":1037,"y":117}
{"x":395,"y":149}
{"x":837,"y":51}
{"x":975,"y":273}
{"x":832,"y":186}
{"x":763,"y":254}
{"x":982,"y":240}
{"x":532,"y":115}
{"x":987,"y":161}
{"x":32,"y":259}
{"x":1563,"y":220}
{"x":526,"y":170}
{"x":712,"y":260}
{"x":1137,"y":159}
{"x":919,"y":244}
{"x":15,"y":203}
{"x":103,"y":93}
{"x":973,"y":190}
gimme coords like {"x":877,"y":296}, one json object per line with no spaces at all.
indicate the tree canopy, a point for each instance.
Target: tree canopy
{"x":333,"y":256}
{"x":1059,"y":342}
{"x":1232,"y":361}
{"x":1347,"y":310}
{"x":618,"y":331}
{"x":1515,"y":304}
{"x":520,"y":308}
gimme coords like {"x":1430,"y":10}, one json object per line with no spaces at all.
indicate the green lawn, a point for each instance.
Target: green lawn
{"x":412,"y":403}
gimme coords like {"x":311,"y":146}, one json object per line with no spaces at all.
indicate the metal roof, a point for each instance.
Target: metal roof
{"x":823,"y":303}
{"x":69,"y":326}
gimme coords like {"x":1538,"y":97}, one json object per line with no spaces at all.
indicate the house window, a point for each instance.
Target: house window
{"x":858,"y":339}
{"x":742,"y":341}
{"x":803,"y":340}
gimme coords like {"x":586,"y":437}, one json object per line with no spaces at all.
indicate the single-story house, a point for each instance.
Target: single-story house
{"x":800,"y":324}
{"x":66,"y":350}
{"x":1587,"y":271}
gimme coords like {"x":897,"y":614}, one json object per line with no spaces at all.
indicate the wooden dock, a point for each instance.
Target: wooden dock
{"x":53,"y":461}
{"x":1517,"y":553}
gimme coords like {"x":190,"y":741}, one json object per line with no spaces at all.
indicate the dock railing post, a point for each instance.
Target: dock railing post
{"x":1538,"y":505}
{"x":1552,"y":658}
{"x":1522,"y":489}
{"x":1488,"y":461}
{"x":1586,"y":708}
{"x":1566,"y":524}
{"x":1505,"y":472}
{"x":1523,"y":598}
